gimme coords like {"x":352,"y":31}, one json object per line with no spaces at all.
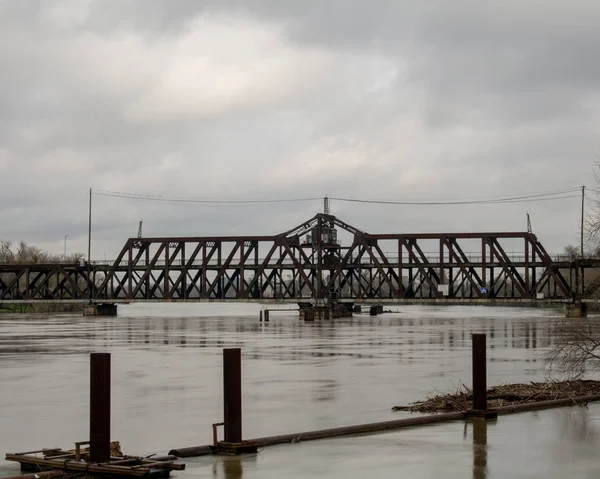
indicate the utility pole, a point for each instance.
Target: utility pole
{"x":90,"y":230}
{"x":326,"y":205}
{"x":582,"y":210}
{"x":89,"y":261}
{"x":65,"y":252}
{"x":529,"y":229}
{"x":582,"y":216}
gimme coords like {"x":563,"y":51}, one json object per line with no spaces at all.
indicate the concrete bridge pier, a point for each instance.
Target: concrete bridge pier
{"x":100,"y":309}
{"x":576,"y":310}
{"x":318,"y":313}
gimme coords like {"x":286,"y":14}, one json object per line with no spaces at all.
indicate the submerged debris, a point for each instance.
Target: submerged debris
{"x":506,"y":395}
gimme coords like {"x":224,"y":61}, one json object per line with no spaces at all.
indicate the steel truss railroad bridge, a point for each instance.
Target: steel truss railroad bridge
{"x":308,"y":264}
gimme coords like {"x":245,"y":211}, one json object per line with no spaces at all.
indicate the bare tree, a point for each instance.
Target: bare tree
{"x":574,"y":348}
{"x":25,"y":253}
{"x":571,"y":250}
{"x":6,"y":254}
{"x":593,"y":216}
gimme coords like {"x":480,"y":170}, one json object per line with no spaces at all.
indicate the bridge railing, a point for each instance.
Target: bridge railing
{"x":391,"y":258}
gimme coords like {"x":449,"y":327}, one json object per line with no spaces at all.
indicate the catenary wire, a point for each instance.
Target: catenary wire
{"x":532,"y":197}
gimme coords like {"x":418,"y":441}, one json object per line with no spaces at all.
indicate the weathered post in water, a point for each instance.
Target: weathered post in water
{"x":232,"y":394}
{"x":480,"y":378}
{"x":99,"y":407}
{"x":479,"y":373}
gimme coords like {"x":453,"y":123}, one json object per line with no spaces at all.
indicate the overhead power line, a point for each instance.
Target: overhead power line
{"x":532,"y":197}
{"x":139,"y":196}
{"x":524,"y":198}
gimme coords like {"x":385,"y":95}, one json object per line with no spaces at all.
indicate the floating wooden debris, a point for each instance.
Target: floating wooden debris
{"x":506,"y":395}
{"x":76,"y":461}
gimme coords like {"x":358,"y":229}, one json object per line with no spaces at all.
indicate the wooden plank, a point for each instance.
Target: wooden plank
{"x":38,"y":451}
{"x":79,"y":466}
{"x":38,"y":475}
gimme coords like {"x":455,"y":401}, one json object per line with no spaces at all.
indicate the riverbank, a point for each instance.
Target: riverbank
{"x":45,"y":308}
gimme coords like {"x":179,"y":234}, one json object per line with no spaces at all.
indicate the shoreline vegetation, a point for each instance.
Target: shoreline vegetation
{"x":505,"y":395}
{"x":29,"y":308}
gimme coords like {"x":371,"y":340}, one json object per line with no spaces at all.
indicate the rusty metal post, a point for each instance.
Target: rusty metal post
{"x":232,"y":394}
{"x":479,"y":373}
{"x":99,"y":407}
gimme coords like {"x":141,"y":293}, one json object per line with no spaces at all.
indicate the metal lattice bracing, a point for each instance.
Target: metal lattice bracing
{"x":43,"y":282}
{"x":308,"y":263}
{"x":287,"y":267}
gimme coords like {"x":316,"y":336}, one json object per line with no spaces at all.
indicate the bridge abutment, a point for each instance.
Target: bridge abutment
{"x":102,"y":309}
{"x":576,"y":310}
{"x":318,"y":313}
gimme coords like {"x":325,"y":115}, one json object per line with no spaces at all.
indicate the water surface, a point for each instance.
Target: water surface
{"x":167,"y":389}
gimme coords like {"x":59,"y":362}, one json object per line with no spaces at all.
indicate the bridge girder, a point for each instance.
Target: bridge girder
{"x":318,"y":267}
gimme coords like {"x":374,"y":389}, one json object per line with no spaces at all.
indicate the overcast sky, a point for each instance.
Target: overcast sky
{"x":275,"y":99}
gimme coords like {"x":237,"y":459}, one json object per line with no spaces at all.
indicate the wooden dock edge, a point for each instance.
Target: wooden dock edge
{"x":195,"y":451}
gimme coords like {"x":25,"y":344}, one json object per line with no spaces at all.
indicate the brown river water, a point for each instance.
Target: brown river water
{"x":167,"y":389}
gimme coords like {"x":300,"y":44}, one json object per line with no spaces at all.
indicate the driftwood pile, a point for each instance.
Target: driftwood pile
{"x":505,"y":395}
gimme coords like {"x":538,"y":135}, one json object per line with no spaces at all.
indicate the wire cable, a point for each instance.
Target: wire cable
{"x":533,"y":197}
{"x":139,"y":196}
{"x":525,"y":198}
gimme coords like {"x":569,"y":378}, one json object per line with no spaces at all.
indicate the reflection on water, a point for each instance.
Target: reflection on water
{"x":297,"y":376}
{"x":480,"y":428}
{"x":67,"y":335}
{"x":232,"y":468}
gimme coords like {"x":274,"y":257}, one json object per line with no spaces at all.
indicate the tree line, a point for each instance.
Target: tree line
{"x":26,"y":253}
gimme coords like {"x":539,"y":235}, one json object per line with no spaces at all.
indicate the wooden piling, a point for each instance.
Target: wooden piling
{"x":479,"y":373}
{"x":480,"y":408}
{"x":99,"y":407}
{"x":232,"y":394}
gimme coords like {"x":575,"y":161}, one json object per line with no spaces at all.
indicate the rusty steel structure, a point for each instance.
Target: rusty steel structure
{"x":50,"y":282}
{"x":308,"y":264}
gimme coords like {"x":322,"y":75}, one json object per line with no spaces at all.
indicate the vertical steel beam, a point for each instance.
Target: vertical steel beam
{"x":232,"y":394}
{"x":400,"y":272}
{"x":319,"y":251}
{"x":534,"y":273}
{"x":166,"y":287}
{"x":99,"y":407}
{"x":203,"y":275}
{"x":184,"y":273}
{"x":483,"y":264}
{"x":130,"y":271}
{"x":27,"y":282}
{"x":441,"y":261}
{"x":241,"y":284}
{"x":479,"y":373}
{"x":527,"y":284}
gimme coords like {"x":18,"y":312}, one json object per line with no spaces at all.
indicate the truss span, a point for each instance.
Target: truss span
{"x":307,"y":264}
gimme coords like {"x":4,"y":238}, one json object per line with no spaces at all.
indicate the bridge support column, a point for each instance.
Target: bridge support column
{"x":325,"y":312}
{"x":576,"y":310}
{"x":103,"y":309}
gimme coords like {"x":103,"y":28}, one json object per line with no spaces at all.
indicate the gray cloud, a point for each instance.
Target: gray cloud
{"x":271,"y":99}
